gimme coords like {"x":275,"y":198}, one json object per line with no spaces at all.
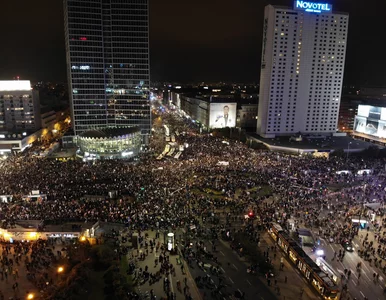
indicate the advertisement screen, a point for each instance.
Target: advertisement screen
{"x":222,"y":115}
{"x":360,"y":124}
{"x":363,"y":110}
{"x":382,"y":129}
{"x":375,"y":113}
{"x":370,"y":127}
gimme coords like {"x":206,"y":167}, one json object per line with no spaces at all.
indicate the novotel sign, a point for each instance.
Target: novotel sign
{"x":312,"y":7}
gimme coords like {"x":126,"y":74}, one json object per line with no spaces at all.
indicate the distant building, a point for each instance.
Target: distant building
{"x":375,"y":92}
{"x":48,"y":117}
{"x":19,"y":106}
{"x":302,"y":65}
{"x":216,"y":112}
{"x":246,"y":115}
{"x":107,"y":49}
{"x":347,"y":110}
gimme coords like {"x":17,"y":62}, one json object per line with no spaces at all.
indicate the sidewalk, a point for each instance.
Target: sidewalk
{"x":290,"y":289}
{"x":180,"y":276}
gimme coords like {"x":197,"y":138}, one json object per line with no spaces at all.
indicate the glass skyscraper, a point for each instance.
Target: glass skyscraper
{"x":107,"y":49}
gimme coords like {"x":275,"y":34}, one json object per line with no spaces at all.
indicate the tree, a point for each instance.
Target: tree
{"x":102,"y":256}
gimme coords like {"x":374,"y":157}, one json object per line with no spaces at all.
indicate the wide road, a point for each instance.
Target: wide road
{"x":361,"y":287}
{"x":234,"y":274}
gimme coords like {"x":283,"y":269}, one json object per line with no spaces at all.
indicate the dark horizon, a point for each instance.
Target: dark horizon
{"x":189,"y":42}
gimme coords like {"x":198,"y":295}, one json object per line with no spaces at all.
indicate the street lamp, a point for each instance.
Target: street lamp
{"x":60,"y":270}
{"x":30,"y":296}
{"x":348,"y":149}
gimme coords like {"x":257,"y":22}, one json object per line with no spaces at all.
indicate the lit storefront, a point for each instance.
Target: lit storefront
{"x":109,"y":143}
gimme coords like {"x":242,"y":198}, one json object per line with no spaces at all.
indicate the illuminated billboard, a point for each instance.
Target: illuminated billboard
{"x":312,"y":6}
{"x":371,"y":120}
{"x":222,"y":115}
{"x":15,"y":85}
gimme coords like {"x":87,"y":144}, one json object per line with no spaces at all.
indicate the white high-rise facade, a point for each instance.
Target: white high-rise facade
{"x":302,"y":67}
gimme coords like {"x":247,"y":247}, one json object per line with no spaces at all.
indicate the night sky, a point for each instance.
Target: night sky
{"x":190,"y":40}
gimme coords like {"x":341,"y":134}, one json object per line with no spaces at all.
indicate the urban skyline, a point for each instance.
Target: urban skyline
{"x":224,"y":44}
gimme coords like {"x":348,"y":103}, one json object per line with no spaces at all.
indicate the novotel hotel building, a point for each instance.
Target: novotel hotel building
{"x":302,"y":65}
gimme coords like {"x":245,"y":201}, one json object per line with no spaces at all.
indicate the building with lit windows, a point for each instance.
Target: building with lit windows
{"x":302,"y":65}
{"x":109,"y":143}
{"x":107,"y":49}
{"x":19,"y":107}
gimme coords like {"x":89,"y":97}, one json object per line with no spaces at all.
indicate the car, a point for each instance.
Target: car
{"x":347,"y":246}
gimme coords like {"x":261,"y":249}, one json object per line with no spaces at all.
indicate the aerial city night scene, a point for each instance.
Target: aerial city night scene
{"x":180,"y":149}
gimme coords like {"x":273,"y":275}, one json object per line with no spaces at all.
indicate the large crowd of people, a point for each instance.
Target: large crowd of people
{"x":174,"y":193}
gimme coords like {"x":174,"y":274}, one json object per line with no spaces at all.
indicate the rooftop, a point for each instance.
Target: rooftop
{"x":15,"y":85}
{"x":324,"y":144}
{"x":109,"y":132}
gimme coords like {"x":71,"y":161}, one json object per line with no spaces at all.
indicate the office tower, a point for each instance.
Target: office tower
{"x":302,"y":66}
{"x":19,"y":107}
{"x":107,"y":49}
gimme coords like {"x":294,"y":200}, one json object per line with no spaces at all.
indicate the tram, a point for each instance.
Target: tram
{"x":320,"y":280}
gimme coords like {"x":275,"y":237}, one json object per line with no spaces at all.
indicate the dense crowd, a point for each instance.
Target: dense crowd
{"x":173,"y":193}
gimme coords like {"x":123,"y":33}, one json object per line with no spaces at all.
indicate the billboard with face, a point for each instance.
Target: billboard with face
{"x":222,"y":115}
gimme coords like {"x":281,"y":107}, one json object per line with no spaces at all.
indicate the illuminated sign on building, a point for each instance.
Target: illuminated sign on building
{"x":80,"y":67}
{"x":312,"y":7}
{"x":15,"y":85}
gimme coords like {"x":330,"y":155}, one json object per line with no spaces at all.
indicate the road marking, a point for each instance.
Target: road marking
{"x":367,"y":276}
{"x":222,"y":269}
{"x":249,"y":282}
{"x":352,"y":272}
{"x":222,"y":253}
{"x":381,"y":278}
{"x":362,"y":294}
{"x":231,"y":280}
{"x":332,"y":247}
{"x":171,"y":283}
{"x":366,"y":267}
{"x":235,"y":266}
{"x":353,"y":281}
